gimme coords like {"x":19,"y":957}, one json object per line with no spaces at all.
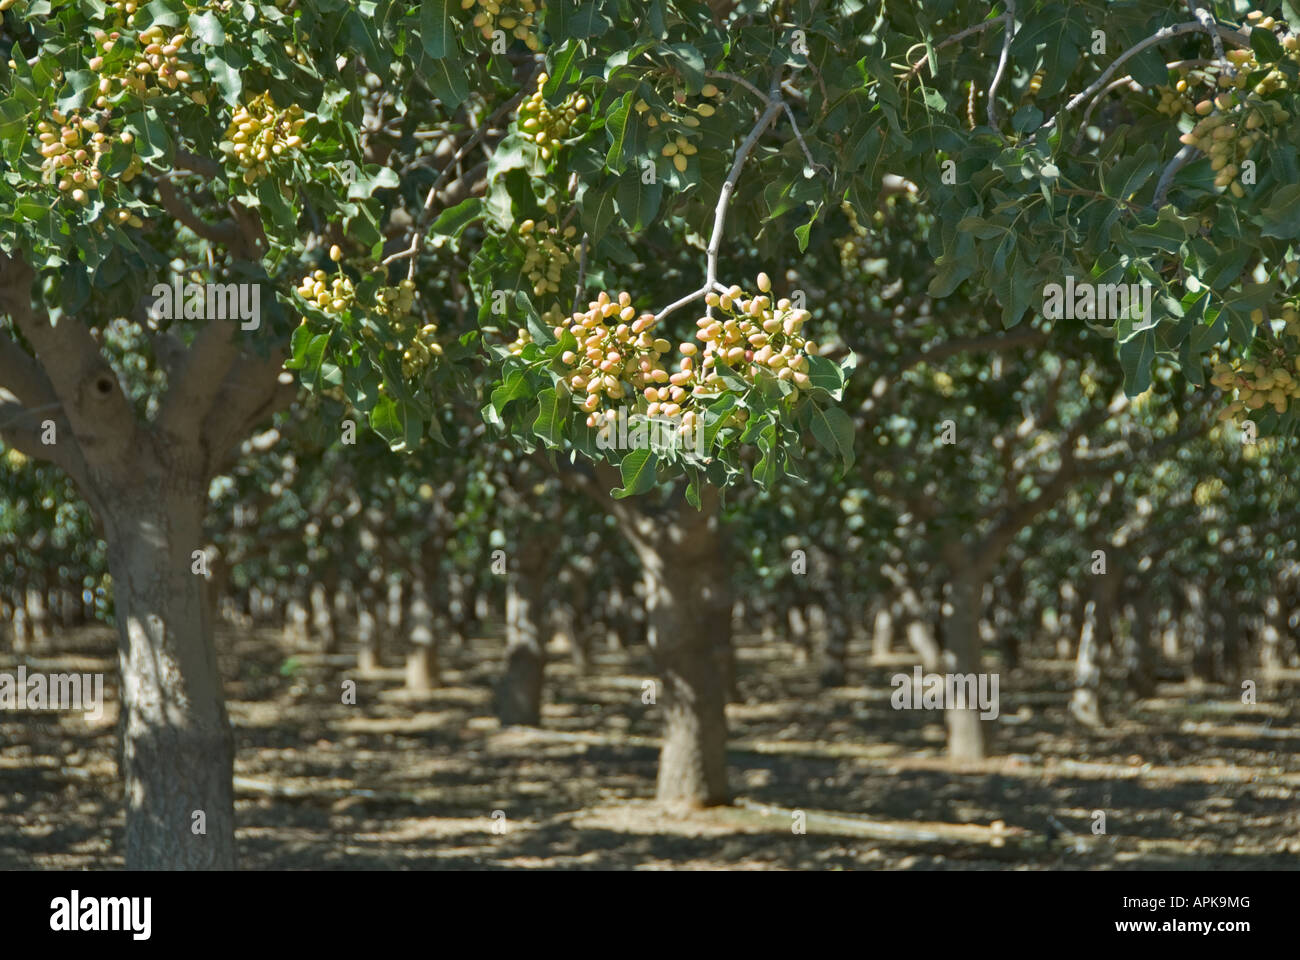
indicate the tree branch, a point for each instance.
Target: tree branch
{"x":1002,"y":63}
{"x":254,"y":388}
{"x":98,"y":412}
{"x":225,"y":233}
{"x":1160,"y":36}
{"x":729,"y":185}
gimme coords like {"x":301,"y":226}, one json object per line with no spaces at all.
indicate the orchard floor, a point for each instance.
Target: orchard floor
{"x":1190,"y":780}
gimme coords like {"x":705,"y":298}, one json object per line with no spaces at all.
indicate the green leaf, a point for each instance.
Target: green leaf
{"x":1128,"y":176}
{"x":206,"y":28}
{"x":313,"y":356}
{"x":453,"y":221}
{"x":638,"y":470}
{"x":226,"y":65}
{"x":717,"y":414}
{"x":1135,"y":357}
{"x":561,"y":62}
{"x":765,"y":468}
{"x":952,"y":271}
{"x":617,"y":124}
{"x":436,"y":34}
{"x":826,"y":374}
{"x":371,"y":179}
{"x":78,"y":84}
{"x":549,"y":424}
{"x":1281,"y":218}
{"x":1266,"y":46}
{"x":833,"y":429}
{"x":397,"y":423}
{"x":449,"y":82}
{"x":638,"y":202}
{"x":598,"y":210}
{"x":514,"y":387}
{"x":150,"y":135}
{"x":588,"y":21}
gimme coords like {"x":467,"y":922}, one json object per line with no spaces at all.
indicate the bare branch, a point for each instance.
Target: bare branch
{"x":738,"y":80}
{"x":98,"y":412}
{"x":957,"y":38}
{"x":799,"y":136}
{"x":225,"y":233}
{"x":192,"y":390}
{"x":426,"y":211}
{"x":1002,"y":64}
{"x":677,"y":304}
{"x":1179,"y":160}
{"x":1024,"y":337}
{"x":254,"y":388}
{"x":1160,"y":36}
{"x":729,"y":185}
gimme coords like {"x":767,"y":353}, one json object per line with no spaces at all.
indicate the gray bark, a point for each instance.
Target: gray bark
{"x":369,"y":643}
{"x":519,"y":692}
{"x":178,"y":749}
{"x":422,"y":654}
{"x":966,"y":737}
{"x":322,"y":618}
{"x":1085,"y":704}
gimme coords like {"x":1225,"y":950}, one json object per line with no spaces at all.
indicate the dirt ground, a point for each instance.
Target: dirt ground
{"x":1192,"y":779}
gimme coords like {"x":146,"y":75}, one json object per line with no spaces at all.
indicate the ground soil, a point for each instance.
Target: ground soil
{"x":1191,"y":779}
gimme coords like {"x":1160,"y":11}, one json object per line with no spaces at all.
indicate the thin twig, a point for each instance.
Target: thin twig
{"x":729,"y":186}
{"x":1160,"y":36}
{"x":1179,"y":160}
{"x":582,"y":273}
{"x":799,"y":136}
{"x":422,"y":220}
{"x":1087,"y":114}
{"x":774,"y":104}
{"x":1080,"y":192}
{"x":721,"y":75}
{"x":956,"y":38}
{"x":1002,"y":63}
{"x":677,"y":304}
{"x":1206,"y":20}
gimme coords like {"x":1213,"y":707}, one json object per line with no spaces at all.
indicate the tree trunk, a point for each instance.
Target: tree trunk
{"x":519,"y":692}
{"x":422,"y":653}
{"x":178,"y":748}
{"x":37,"y":616}
{"x":369,"y":643}
{"x":344,"y":603}
{"x":1085,"y":705}
{"x":693,"y":762}
{"x":571,"y":615}
{"x":296,"y":619}
{"x":1066,"y":619}
{"x":828,"y":641}
{"x":882,"y":633}
{"x":798,"y":626}
{"x":21,"y":634}
{"x":322,"y":618}
{"x":1140,"y":647}
{"x":1270,"y":643}
{"x":966,"y":740}
{"x":456,"y":610}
